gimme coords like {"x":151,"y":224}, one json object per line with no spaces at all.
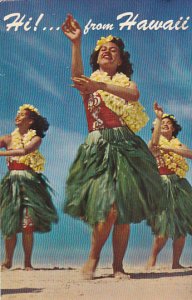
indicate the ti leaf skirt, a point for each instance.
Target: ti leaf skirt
{"x":176,"y":220}
{"x":113,"y":166}
{"x":22,"y":189}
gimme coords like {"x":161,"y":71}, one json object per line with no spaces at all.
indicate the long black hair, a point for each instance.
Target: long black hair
{"x":40,"y":124}
{"x":125,"y":67}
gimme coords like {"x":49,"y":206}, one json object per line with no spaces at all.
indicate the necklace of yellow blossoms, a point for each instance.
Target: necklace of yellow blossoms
{"x":173,"y":161}
{"x":35,"y":159}
{"x":132,"y":113}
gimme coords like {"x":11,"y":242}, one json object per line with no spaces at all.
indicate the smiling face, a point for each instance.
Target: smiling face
{"x":23,"y":120}
{"x":109,"y":57}
{"x":167,"y":128}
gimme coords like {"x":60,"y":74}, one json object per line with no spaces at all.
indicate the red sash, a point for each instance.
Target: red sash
{"x":99,"y":116}
{"x":165,"y":171}
{"x":14,"y":165}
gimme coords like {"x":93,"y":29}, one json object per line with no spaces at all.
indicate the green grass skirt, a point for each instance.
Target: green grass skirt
{"x":113,"y":166}
{"x":176,"y":221}
{"x":20,"y":189}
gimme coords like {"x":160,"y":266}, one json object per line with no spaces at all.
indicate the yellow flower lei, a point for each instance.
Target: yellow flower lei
{"x":35,"y":159}
{"x":132,"y":113}
{"x":174,"y":161}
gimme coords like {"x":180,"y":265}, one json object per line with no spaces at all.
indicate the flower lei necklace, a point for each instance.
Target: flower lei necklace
{"x":35,"y":159}
{"x":173,"y":161}
{"x":132,"y":114}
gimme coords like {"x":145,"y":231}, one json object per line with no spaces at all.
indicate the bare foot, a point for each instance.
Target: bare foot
{"x":121,"y":275}
{"x":88,"y":275}
{"x":178,"y":267}
{"x":5,"y":266}
{"x":89,"y":268}
{"x":28,"y":267}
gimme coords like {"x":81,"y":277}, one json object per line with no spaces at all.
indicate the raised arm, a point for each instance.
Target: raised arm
{"x":32,"y":146}
{"x":72,"y":31}
{"x":157,"y":127}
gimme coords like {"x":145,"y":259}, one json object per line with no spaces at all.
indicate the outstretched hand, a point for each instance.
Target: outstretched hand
{"x":71,"y":29}
{"x":85,"y":85}
{"x":158,"y":110}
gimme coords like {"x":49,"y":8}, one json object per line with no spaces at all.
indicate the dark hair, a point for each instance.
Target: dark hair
{"x":125,"y":67}
{"x":40,"y":124}
{"x":177,"y":127}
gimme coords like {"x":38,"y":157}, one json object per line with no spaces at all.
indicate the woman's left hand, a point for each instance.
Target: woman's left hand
{"x":85,"y":85}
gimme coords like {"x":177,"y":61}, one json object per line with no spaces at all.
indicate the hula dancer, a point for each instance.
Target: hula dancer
{"x":114,"y":179}
{"x":25,"y":196}
{"x":170,"y":153}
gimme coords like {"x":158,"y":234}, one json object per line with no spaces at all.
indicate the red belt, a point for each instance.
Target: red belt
{"x":165,"y":171}
{"x":14,"y":165}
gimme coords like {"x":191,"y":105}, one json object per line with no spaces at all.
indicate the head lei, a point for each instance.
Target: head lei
{"x":103,"y":41}
{"x":168,"y":116}
{"x":29,"y":107}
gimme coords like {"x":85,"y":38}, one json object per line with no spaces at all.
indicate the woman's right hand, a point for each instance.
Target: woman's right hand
{"x":71,"y":29}
{"x":158,"y":110}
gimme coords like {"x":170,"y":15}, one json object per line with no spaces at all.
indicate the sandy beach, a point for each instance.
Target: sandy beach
{"x":160,"y":283}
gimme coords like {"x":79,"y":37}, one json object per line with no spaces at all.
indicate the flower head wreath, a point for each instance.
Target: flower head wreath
{"x":168,"y":116}
{"x":29,"y":107}
{"x":104,"y":40}
{"x":172,"y":117}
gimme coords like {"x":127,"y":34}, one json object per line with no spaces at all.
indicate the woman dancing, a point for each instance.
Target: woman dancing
{"x":25,"y":196}
{"x":176,"y":221}
{"x":114,"y":180}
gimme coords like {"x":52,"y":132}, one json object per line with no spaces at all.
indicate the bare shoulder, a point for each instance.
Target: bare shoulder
{"x":37,"y":138}
{"x":133,"y":84}
{"x":134,"y":87}
{"x":36,"y":141}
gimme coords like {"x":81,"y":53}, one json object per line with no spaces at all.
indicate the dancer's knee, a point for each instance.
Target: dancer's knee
{"x":112,"y":216}
{"x":27,"y":222}
{"x":160,"y":240}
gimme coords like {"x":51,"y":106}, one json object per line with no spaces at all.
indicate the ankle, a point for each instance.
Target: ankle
{"x":90,"y":265}
{"x":27,"y":263}
{"x":89,"y":268}
{"x":117,"y":267}
{"x":152,"y":261}
{"x":177,"y":266}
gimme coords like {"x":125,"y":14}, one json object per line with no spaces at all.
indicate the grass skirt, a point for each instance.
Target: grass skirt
{"x":20,"y":189}
{"x":176,"y":221}
{"x":113,"y":166}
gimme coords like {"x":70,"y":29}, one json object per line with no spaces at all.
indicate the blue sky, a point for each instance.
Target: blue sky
{"x":35,"y":68}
